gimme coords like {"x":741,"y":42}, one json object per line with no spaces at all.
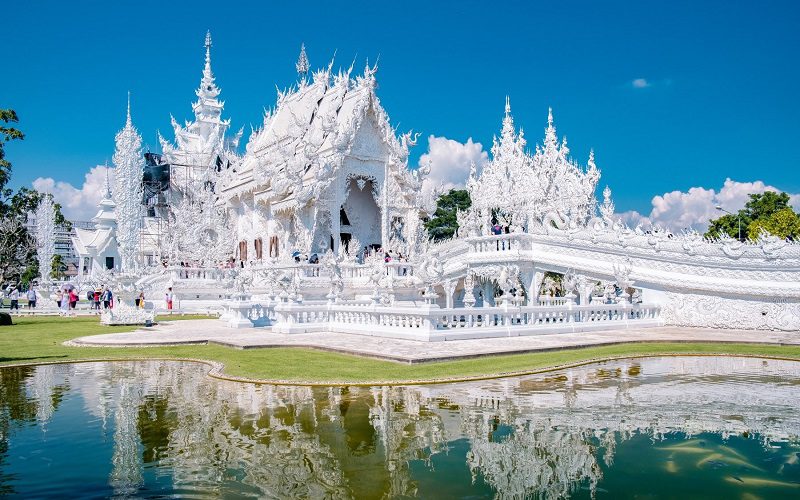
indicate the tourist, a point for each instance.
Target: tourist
{"x":59,"y":298}
{"x":97,"y":294}
{"x":14,"y":296}
{"x":31,"y":298}
{"x":64,"y":302}
{"x":90,"y":298}
{"x":168,"y":298}
{"x":140,"y":300}
{"x":107,"y":298}
{"x":73,"y":299}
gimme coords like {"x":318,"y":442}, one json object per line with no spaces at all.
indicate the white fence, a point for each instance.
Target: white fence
{"x":431,"y":323}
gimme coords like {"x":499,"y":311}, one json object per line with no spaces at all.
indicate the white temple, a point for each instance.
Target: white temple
{"x":293,"y":233}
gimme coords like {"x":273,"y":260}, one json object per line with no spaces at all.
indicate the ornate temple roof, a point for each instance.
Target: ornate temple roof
{"x":313,"y":126}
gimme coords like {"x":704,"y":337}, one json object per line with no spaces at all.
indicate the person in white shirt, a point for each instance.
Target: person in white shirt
{"x":31,"y":298}
{"x":14,"y":296}
{"x":168,"y":298}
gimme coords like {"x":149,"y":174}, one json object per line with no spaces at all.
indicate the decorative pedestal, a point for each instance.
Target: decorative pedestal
{"x":226,"y":311}
{"x":126,"y":314}
{"x":239,"y":310}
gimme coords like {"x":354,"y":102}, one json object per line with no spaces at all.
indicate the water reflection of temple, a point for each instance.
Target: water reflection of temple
{"x":545,"y":434}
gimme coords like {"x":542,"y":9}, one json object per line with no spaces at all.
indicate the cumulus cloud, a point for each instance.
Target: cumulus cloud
{"x":78,"y":203}
{"x":641,"y":83}
{"x":679,"y":210}
{"x":450,"y":161}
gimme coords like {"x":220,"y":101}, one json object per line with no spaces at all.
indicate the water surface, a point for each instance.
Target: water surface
{"x":673,"y":427}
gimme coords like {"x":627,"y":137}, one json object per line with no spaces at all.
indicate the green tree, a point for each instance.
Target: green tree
{"x":443,"y":224}
{"x":784,"y":223}
{"x":760,"y":207}
{"x":8,"y":134}
{"x":17,"y":251}
{"x":58,"y":267}
{"x":765,"y":204}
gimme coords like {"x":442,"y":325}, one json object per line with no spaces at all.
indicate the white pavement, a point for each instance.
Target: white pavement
{"x":214,"y":331}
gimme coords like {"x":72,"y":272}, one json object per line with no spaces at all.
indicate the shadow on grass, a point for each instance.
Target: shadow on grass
{"x":29,"y":358}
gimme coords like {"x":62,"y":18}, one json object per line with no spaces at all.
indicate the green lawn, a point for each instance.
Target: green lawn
{"x":38,"y":339}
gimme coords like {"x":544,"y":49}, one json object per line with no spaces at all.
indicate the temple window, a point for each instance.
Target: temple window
{"x":273,"y":246}
{"x":258,"y":244}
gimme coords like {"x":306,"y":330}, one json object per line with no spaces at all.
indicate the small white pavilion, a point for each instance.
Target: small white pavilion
{"x":97,"y":248}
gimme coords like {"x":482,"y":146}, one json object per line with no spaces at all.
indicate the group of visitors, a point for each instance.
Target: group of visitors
{"x":98,"y":296}
{"x":67,"y":300}
{"x":14,"y":295}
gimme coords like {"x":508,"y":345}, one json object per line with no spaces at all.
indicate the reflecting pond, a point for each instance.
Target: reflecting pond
{"x":671,"y":427}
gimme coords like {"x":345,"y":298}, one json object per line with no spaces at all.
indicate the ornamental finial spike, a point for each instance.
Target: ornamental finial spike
{"x":208,"y":50}
{"x":108,"y":183}
{"x":549,"y":116}
{"x":302,"y":63}
{"x":128,"y":117}
{"x":508,"y":106}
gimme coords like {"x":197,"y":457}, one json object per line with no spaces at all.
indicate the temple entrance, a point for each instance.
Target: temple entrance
{"x":361,"y":213}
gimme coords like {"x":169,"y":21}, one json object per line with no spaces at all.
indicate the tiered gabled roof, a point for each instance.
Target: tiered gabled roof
{"x":303,"y":141}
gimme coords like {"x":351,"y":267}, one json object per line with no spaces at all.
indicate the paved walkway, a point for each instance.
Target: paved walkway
{"x":409,"y":351}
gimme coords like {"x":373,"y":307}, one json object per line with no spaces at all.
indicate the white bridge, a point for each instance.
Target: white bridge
{"x":491,"y":286}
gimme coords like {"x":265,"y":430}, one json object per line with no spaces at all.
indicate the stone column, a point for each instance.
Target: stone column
{"x":449,"y":290}
{"x":385,"y":207}
{"x":533,"y":287}
{"x":488,"y":293}
{"x":336,"y":228}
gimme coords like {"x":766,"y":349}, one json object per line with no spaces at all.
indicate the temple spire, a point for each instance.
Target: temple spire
{"x":108,"y":182}
{"x":128,"y":121}
{"x":302,"y":63}
{"x":208,"y":107}
{"x":207,"y":70}
{"x":550,"y":139}
{"x":508,"y":106}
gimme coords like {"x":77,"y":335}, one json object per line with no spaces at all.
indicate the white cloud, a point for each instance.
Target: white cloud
{"x":78,"y":204}
{"x":678,"y":210}
{"x":450,"y":161}
{"x":641,"y":83}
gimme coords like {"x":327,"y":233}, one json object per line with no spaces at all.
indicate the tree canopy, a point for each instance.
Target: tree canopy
{"x":443,"y":224}
{"x":768,"y":211}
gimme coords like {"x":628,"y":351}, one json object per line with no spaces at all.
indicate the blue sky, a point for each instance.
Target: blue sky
{"x":716,"y":95}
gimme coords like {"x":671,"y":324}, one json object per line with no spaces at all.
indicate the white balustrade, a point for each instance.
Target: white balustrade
{"x":497,"y":243}
{"x":428,"y":322}
{"x":180,"y":273}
